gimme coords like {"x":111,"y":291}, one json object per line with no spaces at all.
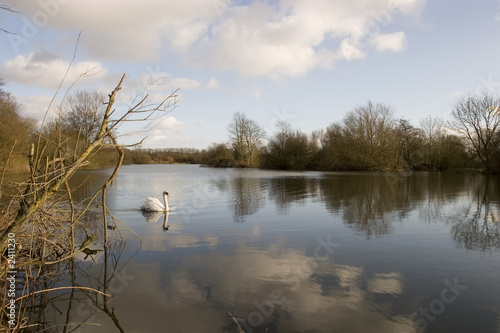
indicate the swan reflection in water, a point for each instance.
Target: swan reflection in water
{"x":154,"y":216}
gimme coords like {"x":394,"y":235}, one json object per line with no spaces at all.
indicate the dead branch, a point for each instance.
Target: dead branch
{"x":26,"y":210}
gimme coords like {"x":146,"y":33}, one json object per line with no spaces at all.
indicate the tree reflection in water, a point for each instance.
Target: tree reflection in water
{"x":67,"y":310}
{"x":285,"y":191}
{"x":248,"y":197}
{"x":367,"y":202}
{"x":370,"y":203}
{"x":477,"y":226}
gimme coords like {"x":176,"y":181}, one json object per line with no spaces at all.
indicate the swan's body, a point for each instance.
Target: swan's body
{"x":154,"y":205}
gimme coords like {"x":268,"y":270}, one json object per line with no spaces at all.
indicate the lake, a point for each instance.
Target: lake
{"x":275,"y":251}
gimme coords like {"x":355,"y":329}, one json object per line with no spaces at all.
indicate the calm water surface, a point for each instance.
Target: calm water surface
{"x":295,"y":252}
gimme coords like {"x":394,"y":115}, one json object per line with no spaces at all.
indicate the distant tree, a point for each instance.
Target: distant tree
{"x":246,"y":139}
{"x":409,"y":144}
{"x":453,"y":153}
{"x":275,"y":155}
{"x":477,"y":119}
{"x":218,"y":155}
{"x":369,"y":135}
{"x":288,"y":149}
{"x":140,"y":156}
{"x":83,"y":116}
{"x":175,"y":155}
{"x":299,"y":150}
{"x":433,"y":133}
{"x":333,"y":152}
{"x":315,"y":140}
{"x":315,"y":147}
{"x":15,"y":132}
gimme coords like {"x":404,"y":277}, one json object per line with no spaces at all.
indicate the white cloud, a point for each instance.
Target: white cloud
{"x":390,"y":42}
{"x":157,"y":85}
{"x":349,"y":50}
{"x":285,"y":39}
{"x":183,"y":83}
{"x":36,"y":106}
{"x":202,"y":122}
{"x":186,"y":35}
{"x":164,"y":132}
{"x":33,"y":69}
{"x":255,"y":40}
{"x":213,"y":83}
{"x":159,"y":81}
{"x":297,"y":36}
{"x":126,"y":29}
{"x":168,"y":125}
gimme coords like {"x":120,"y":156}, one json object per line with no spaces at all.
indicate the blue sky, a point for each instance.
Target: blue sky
{"x":306,"y":62}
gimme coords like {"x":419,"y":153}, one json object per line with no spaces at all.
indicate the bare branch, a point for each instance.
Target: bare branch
{"x":478,"y":120}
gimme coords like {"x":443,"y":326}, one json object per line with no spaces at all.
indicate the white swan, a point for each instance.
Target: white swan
{"x":154,"y":205}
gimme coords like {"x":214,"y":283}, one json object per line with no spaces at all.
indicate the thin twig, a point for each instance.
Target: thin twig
{"x":60,"y":288}
{"x":58,"y":88}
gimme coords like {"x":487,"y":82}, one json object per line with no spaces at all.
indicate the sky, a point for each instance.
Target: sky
{"x":307,"y":62}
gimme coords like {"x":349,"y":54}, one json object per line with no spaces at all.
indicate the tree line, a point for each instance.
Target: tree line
{"x":15,"y":132}
{"x":164,"y":155}
{"x":75,"y":126}
{"x":370,"y":138}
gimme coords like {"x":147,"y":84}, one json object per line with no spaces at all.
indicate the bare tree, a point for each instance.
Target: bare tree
{"x":369,"y":134}
{"x":433,"y":136}
{"x":83,"y":117}
{"x":409,"y":143}
{"x":246,"y":138}
{"x":219,"y":155}
{"x":477,"y":118}
{"x":288,"y":149}
{"x":278,"y":143}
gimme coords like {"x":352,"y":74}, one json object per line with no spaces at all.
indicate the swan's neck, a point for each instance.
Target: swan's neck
{"x":165,"y":221}
{"x":166,"y":202}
